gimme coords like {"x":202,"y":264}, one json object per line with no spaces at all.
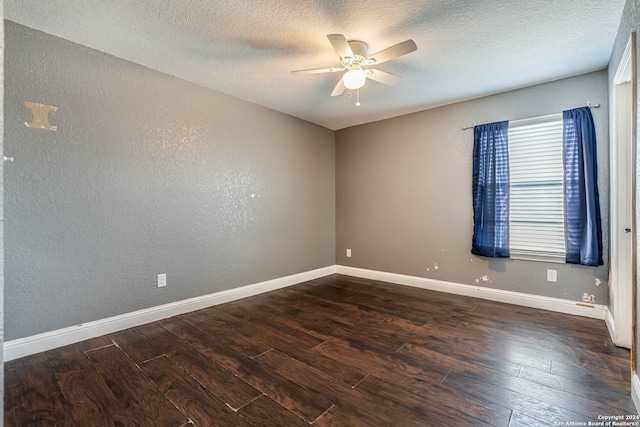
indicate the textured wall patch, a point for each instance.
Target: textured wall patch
{"x":40,"y":116}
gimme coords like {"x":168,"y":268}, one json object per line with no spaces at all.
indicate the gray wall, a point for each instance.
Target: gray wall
{"x":629,"y":23}
{"x":148,"y":174}
{"x":403,"y":189}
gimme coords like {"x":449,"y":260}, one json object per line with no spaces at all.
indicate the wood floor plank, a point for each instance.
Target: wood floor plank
{"x":518,"y":419}
{"x":366,"y":302}
{"x":594,"y":375}
{"x":527,"y":340}
{"x":335,"y":351}
{"x":381,"y":363}
{"x":72,"y":357}
{"x":368,"y":296}
{"x":433,"y":393}
{"x":282,"y":337}
{"x":609,"y":395}
{"x":449,"y":399}
{"x":37,"y":397}
{"x":151,"y":336}
{"x":285,"y":315}
{"x":141,"y":400}
{"x":264,"y":412}
{"x":375,"y":337}
{"x":377,"y":408}
{"x":91,"y":399}
{"x":286,"y":393}
{"x":459,"y":359}
{"x":225,"y":385}
{"x":540,"y":409}
{"x":427,"y":411}
{"x":298,"y":344}
{"x":314,"y":322}
{"x":186,"y":394}
{"x":9,"y":418}
{"x":432,"y":335}
{"x":521,"y":393}
{"x":222,"y":317}
{"x":347,"y":374}
{"x":314,"y":309}
{"x":440,"y":303}
{"x":545,"y":339}
{"x":323,"y":305}
{"x":222,"y":383}
{"x":9,"y":406}
{"x":235,"y":340}
{"x":549,"y":322}
{"x":272,"y":325}
{"x":136,"y":345}
{"x":340,"y":417}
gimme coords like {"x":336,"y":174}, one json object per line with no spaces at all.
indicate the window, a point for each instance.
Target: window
{"x":536,"y":209}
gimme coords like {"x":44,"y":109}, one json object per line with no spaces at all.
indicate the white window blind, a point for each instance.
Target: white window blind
{"x":536,"y":212}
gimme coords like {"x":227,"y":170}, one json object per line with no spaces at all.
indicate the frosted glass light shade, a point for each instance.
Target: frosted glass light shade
{"x":354,"y":79}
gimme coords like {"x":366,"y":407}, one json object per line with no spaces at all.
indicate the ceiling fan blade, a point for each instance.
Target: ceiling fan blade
{"x":339,"y":89}
{"x":394,"y":51}
{"x":318,"y":70}
{"x":341,"y":45}
{"x":383,"y":77}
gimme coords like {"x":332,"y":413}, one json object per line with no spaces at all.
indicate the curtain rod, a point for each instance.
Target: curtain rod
{"x":589,"y":104}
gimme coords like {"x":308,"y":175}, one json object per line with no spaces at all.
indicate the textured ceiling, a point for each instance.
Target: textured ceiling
{"x":247,"y":48}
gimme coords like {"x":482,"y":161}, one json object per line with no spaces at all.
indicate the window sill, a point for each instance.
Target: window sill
{"x":538,"y":258}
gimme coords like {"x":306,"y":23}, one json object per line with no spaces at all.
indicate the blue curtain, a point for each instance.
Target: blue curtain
{"x":491,"y":190}
{"x":583,"y":225}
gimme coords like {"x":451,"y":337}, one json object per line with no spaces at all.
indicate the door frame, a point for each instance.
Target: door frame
{"x":622,"y":265}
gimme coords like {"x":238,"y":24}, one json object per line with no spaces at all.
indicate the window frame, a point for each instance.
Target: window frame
{"x":553,"y":255}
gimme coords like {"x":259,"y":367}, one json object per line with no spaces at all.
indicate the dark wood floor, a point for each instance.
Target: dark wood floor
{"x":337,"y":351}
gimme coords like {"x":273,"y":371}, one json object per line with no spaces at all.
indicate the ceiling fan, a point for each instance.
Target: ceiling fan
{"x":354,"y":59}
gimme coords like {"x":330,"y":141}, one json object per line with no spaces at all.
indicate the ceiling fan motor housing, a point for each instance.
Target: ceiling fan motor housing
{"x":360,"y":50}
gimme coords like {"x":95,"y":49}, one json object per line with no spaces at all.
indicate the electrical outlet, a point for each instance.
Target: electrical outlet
{"x":348,"y":253}
{"x":162,"y":280}
{"x":552,"y":275}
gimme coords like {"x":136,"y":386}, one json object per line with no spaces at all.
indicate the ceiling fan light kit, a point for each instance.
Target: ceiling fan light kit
{"x":354,"y":78}
{"x":355,"y":60}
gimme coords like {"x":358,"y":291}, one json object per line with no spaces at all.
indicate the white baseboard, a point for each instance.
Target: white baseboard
{"x":635,"y":391}
{"x":611,"y":325}
{"x":22,"y":347}
{"x":595,"y":311}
